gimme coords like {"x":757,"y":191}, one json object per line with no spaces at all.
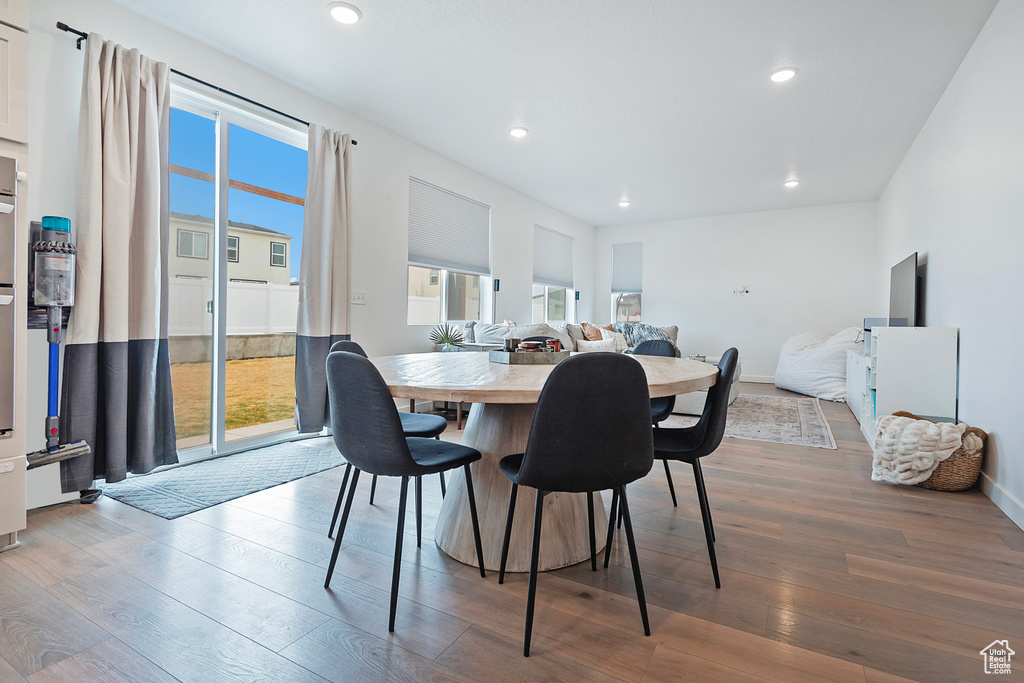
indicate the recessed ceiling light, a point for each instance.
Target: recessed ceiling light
{"x":518,"y":131}
{"x":344,"y":13}
{"x":624,"y":203}
{"x":782,"y":75}
{"x":791,"y":183}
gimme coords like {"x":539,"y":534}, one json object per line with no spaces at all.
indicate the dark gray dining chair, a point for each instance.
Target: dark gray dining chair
{"x":661,"y":407}
{"x":366,"y":428}
{"x":413,"y":424}
{"x":690,"y":444}
{"x":584,"y":438}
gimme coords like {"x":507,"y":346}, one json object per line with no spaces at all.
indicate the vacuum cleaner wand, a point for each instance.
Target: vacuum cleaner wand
{"x":54,"y":281}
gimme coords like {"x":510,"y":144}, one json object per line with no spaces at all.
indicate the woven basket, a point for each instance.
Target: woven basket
{"x":958,"y":472}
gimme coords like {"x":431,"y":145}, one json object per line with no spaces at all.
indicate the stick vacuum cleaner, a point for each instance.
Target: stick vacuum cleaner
{"x":54,"y":287}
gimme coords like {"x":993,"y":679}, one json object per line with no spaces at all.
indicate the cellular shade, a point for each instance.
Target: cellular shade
{"x":552,"y":258}
{"x":447,"y":230}
{"x":628,"y":267}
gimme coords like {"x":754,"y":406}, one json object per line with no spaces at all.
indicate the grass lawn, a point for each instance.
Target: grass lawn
{"x":258,"y":390}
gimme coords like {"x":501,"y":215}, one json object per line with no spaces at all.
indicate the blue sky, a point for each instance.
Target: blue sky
{"x":252,"y":158}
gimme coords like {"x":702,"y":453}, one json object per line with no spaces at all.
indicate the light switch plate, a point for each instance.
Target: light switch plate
{"x":358,"y":298}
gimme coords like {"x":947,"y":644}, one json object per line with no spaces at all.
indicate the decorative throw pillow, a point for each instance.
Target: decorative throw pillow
{"x":606,"y":345}
{"x":591,"y":332}
{"x":619,"y":340}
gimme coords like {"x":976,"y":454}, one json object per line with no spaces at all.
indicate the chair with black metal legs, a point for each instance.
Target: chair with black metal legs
{"x":584,"y":438}
{"x":413,"y":424}
{"x":367,"y":429}
{"x":690,"y":444}
{"x":661,"y":407}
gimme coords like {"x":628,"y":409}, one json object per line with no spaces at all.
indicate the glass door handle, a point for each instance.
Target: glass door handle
{"x":209,"y":307}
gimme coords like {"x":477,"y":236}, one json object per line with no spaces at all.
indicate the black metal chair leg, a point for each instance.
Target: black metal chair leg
{"x":705,"y":513}
{"x":373,"y":488}
{"x":671,"y":487}
{"x":619,"y":524}
{"x":593,"y":537}
{"x":398,"y":553}
{"x":698,"y":472}
{"x":611,"y":526}
{"x":508,"y":532}
{"x":441,"y":474}
{"x":341,"y":496}
{"x":419,"y":512}
{"x":635,"y":561}
{"x":531,"y":594}
{"x":341,"y":528}
{"x":476,"y":521}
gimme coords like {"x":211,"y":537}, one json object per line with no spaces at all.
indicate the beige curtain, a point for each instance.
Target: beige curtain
{"x":324,"y":281}
{"x":117,"y":381}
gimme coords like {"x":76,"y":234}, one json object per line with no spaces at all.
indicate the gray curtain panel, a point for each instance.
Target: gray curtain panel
{"x":117,"y":374}
{"x":324,"y":273}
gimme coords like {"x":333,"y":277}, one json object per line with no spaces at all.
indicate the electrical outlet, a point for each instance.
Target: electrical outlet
{"x":358,"y":298}
{"x":740,"y":291}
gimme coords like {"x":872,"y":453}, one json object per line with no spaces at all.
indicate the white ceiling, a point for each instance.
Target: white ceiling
{"x":666,"y":102}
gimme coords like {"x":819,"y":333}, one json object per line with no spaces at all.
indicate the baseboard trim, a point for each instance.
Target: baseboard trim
{"x":1004,"y":500}
{"x":758,"y":379}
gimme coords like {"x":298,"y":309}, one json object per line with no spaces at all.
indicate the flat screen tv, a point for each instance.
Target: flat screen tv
{"x":903,"y":293}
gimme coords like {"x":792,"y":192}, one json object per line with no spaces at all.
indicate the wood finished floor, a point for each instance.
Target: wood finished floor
{"x":825,"y":576}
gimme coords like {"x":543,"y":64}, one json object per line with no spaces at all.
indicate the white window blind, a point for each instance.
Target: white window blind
{"x":552,"y":258}
{"x":628,"y":267}
{"x":447,"y":230}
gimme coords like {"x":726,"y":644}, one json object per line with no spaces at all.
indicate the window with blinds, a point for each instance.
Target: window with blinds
{"x":552,"y":258}
{"x":627,"y":281}
{"x":448,"y":231}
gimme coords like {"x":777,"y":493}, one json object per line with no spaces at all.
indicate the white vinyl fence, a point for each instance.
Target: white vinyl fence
{"x":252,"y":308}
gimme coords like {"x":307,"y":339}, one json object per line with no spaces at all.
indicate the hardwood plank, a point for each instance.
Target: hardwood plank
{"x":287,"y":538}
{"x":77,"y":524}
{"x":940,"y":582}
{"x":108,"y":662}
{"x":36,"y":629}
{"x":47,"y":560}
{"x":8,"y":674}
{"x":870,"y":650}
{"x":672,"y":665}
{"x":178,"y":639}
{"x":341,"y":652}
{"x":183,"y":533}
{"x":270,"y":619}
{"x":485,"y":655}
{"x":419,"y":629}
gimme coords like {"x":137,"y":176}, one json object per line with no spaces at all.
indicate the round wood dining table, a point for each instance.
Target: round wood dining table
{"x":504,"y":398}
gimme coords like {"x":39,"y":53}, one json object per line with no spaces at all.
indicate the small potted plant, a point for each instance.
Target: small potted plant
{"x":448,"y":336}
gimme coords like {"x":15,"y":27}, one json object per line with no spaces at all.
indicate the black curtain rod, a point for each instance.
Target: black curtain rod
{"x":83,"y":36}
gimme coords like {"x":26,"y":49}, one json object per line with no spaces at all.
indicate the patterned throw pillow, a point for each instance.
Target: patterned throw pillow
{"x":619,"y":339}
{"x":591,"y":332}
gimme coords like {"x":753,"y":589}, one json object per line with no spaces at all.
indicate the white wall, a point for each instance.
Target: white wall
{"x":808,"y":270}
{"x":381,"y":165}
{"x":958,"y":200}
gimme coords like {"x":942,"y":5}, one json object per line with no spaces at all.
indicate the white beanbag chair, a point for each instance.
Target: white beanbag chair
{"x":815,"y":364}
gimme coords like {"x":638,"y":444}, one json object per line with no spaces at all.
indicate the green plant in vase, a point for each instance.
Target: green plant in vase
{"x":448,"y":336}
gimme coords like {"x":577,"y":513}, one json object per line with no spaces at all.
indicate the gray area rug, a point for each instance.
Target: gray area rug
{"x":181,"y":490}
{"x":775,"y":419}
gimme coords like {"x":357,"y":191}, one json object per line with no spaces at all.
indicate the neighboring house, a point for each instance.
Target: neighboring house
{"x":255,"y":254}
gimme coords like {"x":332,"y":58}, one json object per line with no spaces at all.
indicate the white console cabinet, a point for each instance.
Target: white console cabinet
{"x":908,"y":368}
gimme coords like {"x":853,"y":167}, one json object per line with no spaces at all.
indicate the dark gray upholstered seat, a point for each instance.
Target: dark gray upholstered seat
{"x":690,"y":444}
{"x":413,"y":424}
{"x":584,"y":438}
{"x":368,"y":431}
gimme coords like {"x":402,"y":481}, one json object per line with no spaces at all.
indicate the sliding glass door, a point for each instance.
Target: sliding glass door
{"x":236,"y":198}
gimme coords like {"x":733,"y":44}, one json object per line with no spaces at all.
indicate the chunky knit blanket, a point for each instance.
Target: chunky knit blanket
{"x":907,"y":451}
{"x":641,"y":332}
